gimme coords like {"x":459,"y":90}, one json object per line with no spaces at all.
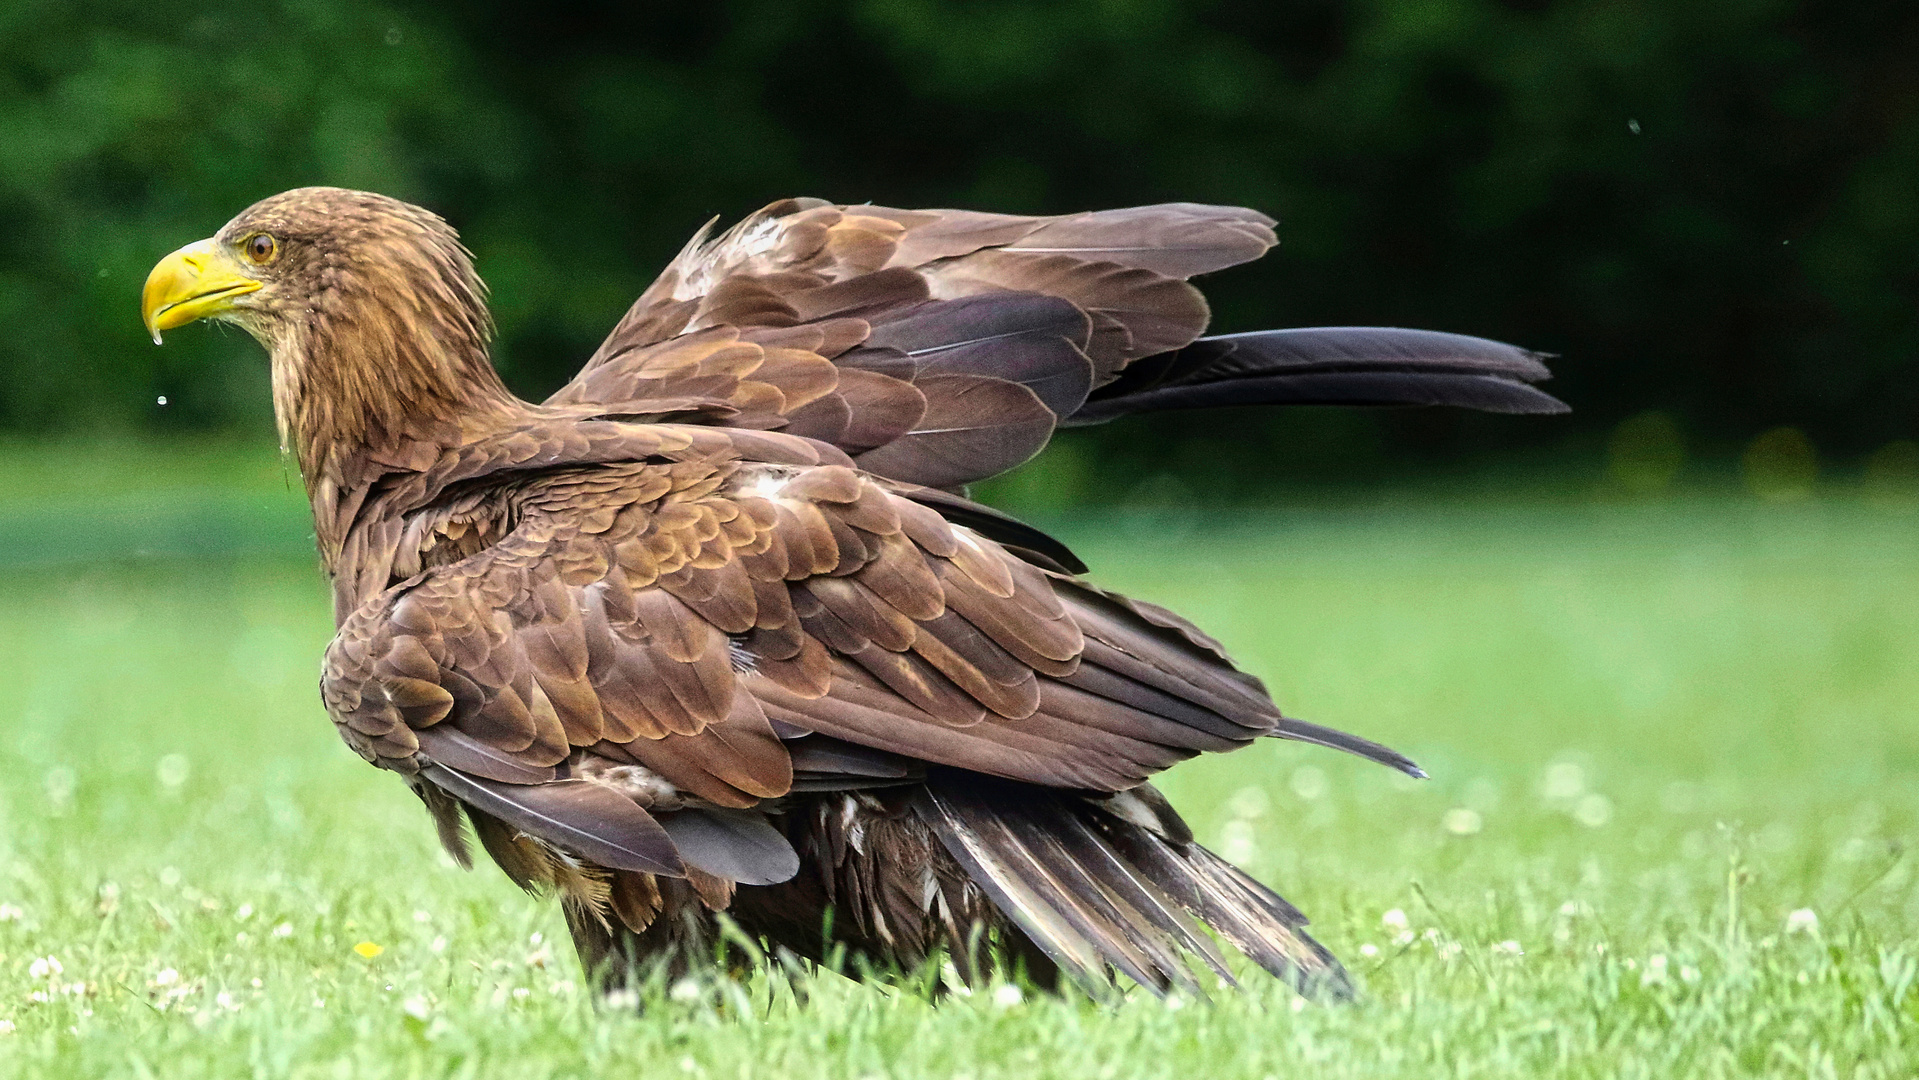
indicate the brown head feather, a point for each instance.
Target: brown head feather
{"x":377,"y":325}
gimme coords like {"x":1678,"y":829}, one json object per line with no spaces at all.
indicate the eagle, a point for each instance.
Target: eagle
{"x":713,"y":644}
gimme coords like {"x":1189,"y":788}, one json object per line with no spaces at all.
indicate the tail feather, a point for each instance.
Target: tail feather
{"x":1256,"y":920}
{"x":1141,"y":894}
{"x":1095,"y":891}
{"x":1111,"y":906}
{"x":1033,"y":903}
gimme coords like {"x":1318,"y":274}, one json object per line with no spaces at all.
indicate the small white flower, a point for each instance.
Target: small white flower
{"x":243,"y":912}
{"x":11,"y":913}
{"x":1007,"y":995}
{"x":1369,"y":950}
{"x":166,"y":977}
{"x":172,"y":770}
{"x":1802,"y":921}
{"x":6,"y":1027}
{"x":225,"y":1001}
{"x":1299,"y":1004}
{"x":285,"y":929}
{"x":1655,"y":970}
{"x":1174,"y":1002}
{"x":1394,"y":919}
{"x":685,"y":990}
{"x":416,"y":1007}
{"x":621,"y":999}
{"x":1237,"y":843}
{"x":44,"y":967}
{"x":536,"y":938}
{"x":520,"y":992}
{"x":438,"y":944}
{"x":1309,"y":783}
{"x":1250,"y":802}
{"x":1688,"y":973}
{"x":1564,"y":780}
{"x":60,"y":782}
{"x":1593,"y":811}
{"x":1508,"y":948}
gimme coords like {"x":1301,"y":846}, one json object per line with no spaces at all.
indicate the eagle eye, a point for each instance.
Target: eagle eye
{"x":260,"y":248}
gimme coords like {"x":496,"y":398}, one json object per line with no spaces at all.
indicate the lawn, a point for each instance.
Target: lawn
{"x":1674,"y":747}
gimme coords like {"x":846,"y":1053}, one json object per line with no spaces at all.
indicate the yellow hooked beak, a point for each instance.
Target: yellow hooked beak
{"x":197,"y":281}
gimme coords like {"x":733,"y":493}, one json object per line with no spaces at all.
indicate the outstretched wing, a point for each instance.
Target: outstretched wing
{"x":720,"y":632}
{"x":941,"y":347}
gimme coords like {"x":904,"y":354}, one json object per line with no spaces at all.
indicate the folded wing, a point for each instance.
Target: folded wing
{"x":655,"y":644}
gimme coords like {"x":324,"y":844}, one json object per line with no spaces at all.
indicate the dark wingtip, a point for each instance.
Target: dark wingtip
{"x":1302,"y":731}
{"x":1548,"y":406}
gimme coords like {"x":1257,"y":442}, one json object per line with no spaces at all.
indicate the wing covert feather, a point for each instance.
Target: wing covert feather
{"x":851,"y":324}
{"x":691,"y":618}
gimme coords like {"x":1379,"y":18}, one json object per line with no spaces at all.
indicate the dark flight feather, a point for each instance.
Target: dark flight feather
{"x":592,"y":821}
{"x":1000,"y":527}
{"x":824,"y":756}
{"x":974,"y":426}
{"x":1301,"y":731}
{"x":738,"y":845}
{"x":448,"y":746}
{"x":1331,"y":365}
{"x":1027,"y":338}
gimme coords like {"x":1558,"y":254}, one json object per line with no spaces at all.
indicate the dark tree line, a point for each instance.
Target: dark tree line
{"x":1710,"y":209}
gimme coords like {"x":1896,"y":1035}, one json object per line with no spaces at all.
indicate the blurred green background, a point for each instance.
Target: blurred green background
{"x":1656,"y":654}
{"x":1710,"y":210}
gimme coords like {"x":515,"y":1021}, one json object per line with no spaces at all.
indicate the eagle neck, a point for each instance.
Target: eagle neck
{"x":361,"y":397}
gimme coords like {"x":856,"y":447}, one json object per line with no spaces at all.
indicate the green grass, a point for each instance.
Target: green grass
{"x":1655,"y":731}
